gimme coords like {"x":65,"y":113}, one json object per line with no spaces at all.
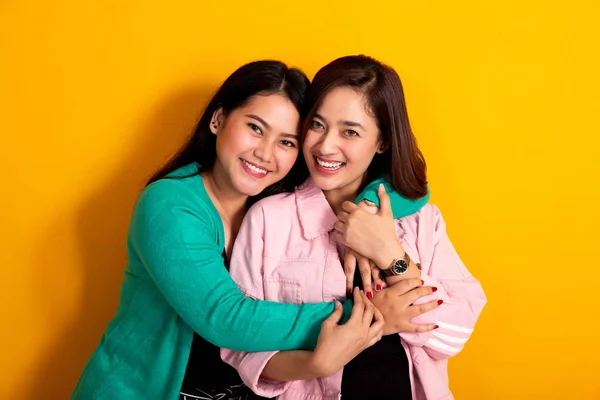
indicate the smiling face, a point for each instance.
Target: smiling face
{"x":341,"y":141}
{"x":257,"y":144}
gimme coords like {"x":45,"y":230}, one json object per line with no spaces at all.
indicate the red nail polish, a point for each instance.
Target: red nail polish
{"x":369,"y":295}
{"x":440,"y":302}
{"x":434,"y":289}
{"x":435,"y":327}
{"x":422,"y":282}
{"x":378,"y":287}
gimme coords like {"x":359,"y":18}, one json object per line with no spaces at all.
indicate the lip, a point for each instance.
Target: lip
{"x":251,"y":172}
{"x":325,"y":171}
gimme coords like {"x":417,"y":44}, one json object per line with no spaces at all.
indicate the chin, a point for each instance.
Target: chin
{"x":325,"y":184}
{"x":251,"y":189}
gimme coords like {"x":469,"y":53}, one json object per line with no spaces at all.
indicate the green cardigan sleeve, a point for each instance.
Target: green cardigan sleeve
{"x":401,"y":206}
{"x":179,"y":247}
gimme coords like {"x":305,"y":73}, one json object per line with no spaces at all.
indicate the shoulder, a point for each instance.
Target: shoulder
{"x":171,"y":201}
{"x":428,"y":220}
{"x":276,"y":208}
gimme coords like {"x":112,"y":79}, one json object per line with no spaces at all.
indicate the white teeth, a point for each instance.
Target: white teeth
{"x":254,"y":168}
{"x":329,"y":165}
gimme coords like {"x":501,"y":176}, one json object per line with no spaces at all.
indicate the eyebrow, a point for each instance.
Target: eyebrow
{"x":342,"y":122}
{"x":262,"y":121}
{"x":352,"y":123}
{"x":259,"y":119}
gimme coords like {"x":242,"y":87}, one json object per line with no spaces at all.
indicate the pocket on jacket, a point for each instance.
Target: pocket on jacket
{"x":283,"y":290}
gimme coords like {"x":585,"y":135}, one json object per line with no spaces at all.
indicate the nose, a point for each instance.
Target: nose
{"x":264,"y":151}
{"x":327,"y":144}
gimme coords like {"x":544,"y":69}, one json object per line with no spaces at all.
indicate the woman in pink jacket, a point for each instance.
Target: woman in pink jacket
{"x":290,"y":246}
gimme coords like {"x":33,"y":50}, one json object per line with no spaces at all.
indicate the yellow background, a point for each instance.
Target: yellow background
{"x":504,"y":99}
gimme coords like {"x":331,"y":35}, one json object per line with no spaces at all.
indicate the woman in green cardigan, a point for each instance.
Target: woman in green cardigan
{"x":178,"y":304}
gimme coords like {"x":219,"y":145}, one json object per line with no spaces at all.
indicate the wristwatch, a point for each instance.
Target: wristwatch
{"x":399,"y":266}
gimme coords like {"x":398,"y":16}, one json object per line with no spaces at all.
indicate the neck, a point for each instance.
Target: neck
{"x":230,"y":203}
{"x":337,"y":197}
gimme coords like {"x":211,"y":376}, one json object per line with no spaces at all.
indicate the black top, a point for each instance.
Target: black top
{"x":380,"y":372}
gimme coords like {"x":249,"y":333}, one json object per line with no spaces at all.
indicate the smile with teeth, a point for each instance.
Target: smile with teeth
{"x":254,"y":168}
{"x":331,"y":166}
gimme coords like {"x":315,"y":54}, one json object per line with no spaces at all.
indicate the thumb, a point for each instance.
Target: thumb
{"x":385,"y":206}
{"x":336,"y":315}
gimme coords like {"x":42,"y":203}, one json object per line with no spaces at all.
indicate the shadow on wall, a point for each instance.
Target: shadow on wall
{"x":102,"y":222}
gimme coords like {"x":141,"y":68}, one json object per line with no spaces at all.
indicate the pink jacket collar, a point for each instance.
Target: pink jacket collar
{"x":315,"y":215}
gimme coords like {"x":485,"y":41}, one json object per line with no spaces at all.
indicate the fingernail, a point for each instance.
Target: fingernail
{"x":369,"y":295}
{"x":378,"y":287}
{"x":435,"y":327}
{"x":381,"y":186}
{"x":422,"y":282}
{"x":440,"y":302}
{"x":434,"y":289}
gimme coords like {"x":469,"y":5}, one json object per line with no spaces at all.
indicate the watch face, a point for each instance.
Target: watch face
{"x":400,"y":267}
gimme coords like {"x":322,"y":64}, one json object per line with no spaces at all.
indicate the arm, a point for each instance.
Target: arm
{"x":462,"y":296}
{"x":178,"y":248}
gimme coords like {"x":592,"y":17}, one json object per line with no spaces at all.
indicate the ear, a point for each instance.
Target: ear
{"x":216,"y":120}
{"x":381,"y":147}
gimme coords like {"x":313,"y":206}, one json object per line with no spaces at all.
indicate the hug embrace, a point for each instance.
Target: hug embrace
{"x":288,"y":250}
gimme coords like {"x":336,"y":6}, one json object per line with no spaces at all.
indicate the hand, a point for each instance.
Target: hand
{"x":368,"y":270}
{"x":338,"y":344}
{"x":372,"y":236}
{"x":396,"y":305}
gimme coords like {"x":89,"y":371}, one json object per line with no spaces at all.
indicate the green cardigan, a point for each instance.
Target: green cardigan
{"x":175,"y":283}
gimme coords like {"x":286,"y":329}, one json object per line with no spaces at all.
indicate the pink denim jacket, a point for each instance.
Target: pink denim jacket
{"x":284,"y":253}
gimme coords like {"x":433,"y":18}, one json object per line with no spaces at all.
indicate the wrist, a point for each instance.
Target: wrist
{"x":317,"y":367}
{"x":412,"y":272}
{"x":388,"y":254}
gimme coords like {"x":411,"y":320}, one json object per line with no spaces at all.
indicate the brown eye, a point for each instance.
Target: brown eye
{"x":288,"y":143}
{"x":255,"y":128}
{"x":316,"y":125}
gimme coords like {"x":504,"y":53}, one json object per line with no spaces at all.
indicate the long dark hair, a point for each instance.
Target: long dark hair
{"x":401,"y":162}
{"x":256,"y":78}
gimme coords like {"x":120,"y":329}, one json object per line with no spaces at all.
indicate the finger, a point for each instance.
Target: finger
{"x":336,"y":315}
{"x":405,"y":286}
{"x":417,"y":293}
{"x":339,"y":226}
{"x":378,"y":316}
{"x":338,"y":237}
{"x":368,"y":206}
{"x":364,"y":266}
{"x":376,"y":275}
{"x":376,"y":329}
{"x":349,"y":269}
{"x":367,"y":319}
{"x":376,"y":338}
{"x":420,"y":328}
{"x":418,"y":309}
{"x":349,"y":206}
{"x":385,"y":206}
{"x":343,"y":216}
{"x":359,"y":307}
